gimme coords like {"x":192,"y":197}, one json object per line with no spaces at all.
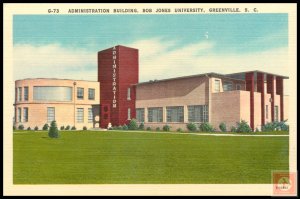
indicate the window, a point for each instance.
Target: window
{"x":19,"y":93}
{"x":267,"y":111}
{"x":52,"y":93}
{"x":217,"y":85}
{"x":198,"y":113}
{"x":155,"y":115}
{"x":175,"y":114}
{"x":80,"y":93}
{"x":276,"y":113}
{"x":19,"y":115}
{"x":238,"y":87}
{"x":129,"y":113}
{"x":26,"y":93}
{"x":227,"y":86}
{"x":25,"y":114}
{"x":79,"y":115}
{"x":128,"y":94}
{"x":90,"y":115}
{"x":50,"y":114}
{"x":91,"y":94}
{"x":140,"y":114}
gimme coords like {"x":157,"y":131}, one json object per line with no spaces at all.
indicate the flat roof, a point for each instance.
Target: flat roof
{"x":258,"y":71}
{"x":117,"y":46}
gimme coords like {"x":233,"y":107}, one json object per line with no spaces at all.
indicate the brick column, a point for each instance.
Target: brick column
{"x":279,"y":91}
{"x":261,"y":89}
{"x":250,"y":87}
{"x":270,"y":89}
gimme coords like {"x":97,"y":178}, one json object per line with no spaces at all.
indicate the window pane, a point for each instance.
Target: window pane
{"x":90,"y":115}
{"x":91,"y":94}
{"x":129,"y":114}
{"x":128,"y":94}
{"x":80,"y":115}
{"x":50,"y":114}
{"x":175,"y":114}
{"x":26,"y":93}
{"x":80,"y":93}
{"x":227,"y":86}
{"x":140,"y":114}
{"x":217,"y":85}
{"x":198,"y":113}
{"x":155,"y":115}
{"x":25,"y":114}
{"x":19,"y":115}
{"x":19,"y":93}
{"x":52,"y":93}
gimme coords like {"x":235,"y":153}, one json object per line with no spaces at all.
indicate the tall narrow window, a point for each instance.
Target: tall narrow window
{"x":129,"y":114}
{"x":26,"y":93}
{"x":90,"y":115}
{"x":19,"y":94}
{"x":128,"y":94}
{"x":140,"y":114}
{"x":80,"y":115}
{"x":25,"y":114}
{"x":238,"y":87}
{"x":267,"y":111}
{"x":91,"y":94}
{"x":276,"y":113}
{"x":217,"y":85}
{"x":50,"y":114}
{"x":80,"y":93}
{"x":19,"y":115}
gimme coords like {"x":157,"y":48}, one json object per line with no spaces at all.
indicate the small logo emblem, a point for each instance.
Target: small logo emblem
{"x":284,"y":183}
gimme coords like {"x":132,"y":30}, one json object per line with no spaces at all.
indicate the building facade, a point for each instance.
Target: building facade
{"x":254,"y":96}
{"x":68,"y":102}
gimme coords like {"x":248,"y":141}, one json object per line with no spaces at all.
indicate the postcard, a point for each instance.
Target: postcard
{"x":150,"y":99}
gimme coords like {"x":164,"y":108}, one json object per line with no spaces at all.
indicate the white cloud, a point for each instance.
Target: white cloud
{"x":53,"y":61}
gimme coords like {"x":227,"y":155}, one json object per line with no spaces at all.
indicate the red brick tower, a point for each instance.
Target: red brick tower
{"x":118,"y":69}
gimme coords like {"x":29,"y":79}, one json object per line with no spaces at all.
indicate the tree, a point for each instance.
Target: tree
{"x":53,"y":131}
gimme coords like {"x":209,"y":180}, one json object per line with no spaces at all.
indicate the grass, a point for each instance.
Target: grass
{"x":79,"y":157}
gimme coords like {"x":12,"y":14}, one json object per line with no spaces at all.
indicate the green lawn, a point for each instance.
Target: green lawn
{"x":143,"y":158}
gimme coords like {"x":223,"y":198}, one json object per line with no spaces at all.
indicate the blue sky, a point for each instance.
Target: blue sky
{"x":65,"y":46}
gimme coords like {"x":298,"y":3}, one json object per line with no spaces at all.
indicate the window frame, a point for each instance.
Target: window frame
{"x":89,"y":92}
{"x":48,"y":115}
{"x":77,"y":115}
{"x":219,"y":86}
{"x":77,"y":93}
{"x":179,"y":114}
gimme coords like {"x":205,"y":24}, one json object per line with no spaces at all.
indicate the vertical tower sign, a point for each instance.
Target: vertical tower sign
{"x":117,"y":74}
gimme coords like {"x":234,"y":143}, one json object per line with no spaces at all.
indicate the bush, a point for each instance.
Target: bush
{"x":36,"y":128}
{"x":67,"y":127}
{"x":45,"y":127}
{"x":166,"y":128}
{"x":191,"y":127}
{"x":142,"y":126}
{"x":243,"y":127}
{"x":149,"y":128}
{"x":28,"y":129}
{"x":62,"y":128}
{"x":21,"y":127}
{"x":125,"y":127}
{"x":133,"y":125}
{"x":157,"y":129}
{"x":14,"y":127}
{"x":274,"y":126}
{"x":53,"y":131}
{"x":233,"y":129}
{"x":222,"y":127}
{"x":206,"y":127}
{"x":73,"y":128}
{"x":256,"y":130}
{"x":179,"y":130}
{"x":84,"y":128}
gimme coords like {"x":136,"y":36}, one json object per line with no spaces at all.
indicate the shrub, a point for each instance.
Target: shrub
{"x":191,"y":127}
{"x":157,"y":129}
{"x":179,"y":130}
{"x":62,"y":128}
{"x":73,"y":128}
{"x":233,"y":129}
{"x":133,"y":125}
{"x":273,"y":126}
{"x":84,"y":128}
{"x":270,"y":126}
{"x":243,"y":127}
{"x":36,"y":128}
{"x":21,"y":127}
{"x":45,"y":127}
{"x":119,"y":127}
{"x":53,"y":131}
{"x":222,"y":127}
{"x":28,"y":129}
{"x":125,"y":127}
{"x":166,"y":128}
{"x":206,"y":127}
{"x":148,"y":128}
{"x":142,"y":126}
{"x":67,"y":127}
{"x":256,"y":130}
{"x":14,"y":127}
